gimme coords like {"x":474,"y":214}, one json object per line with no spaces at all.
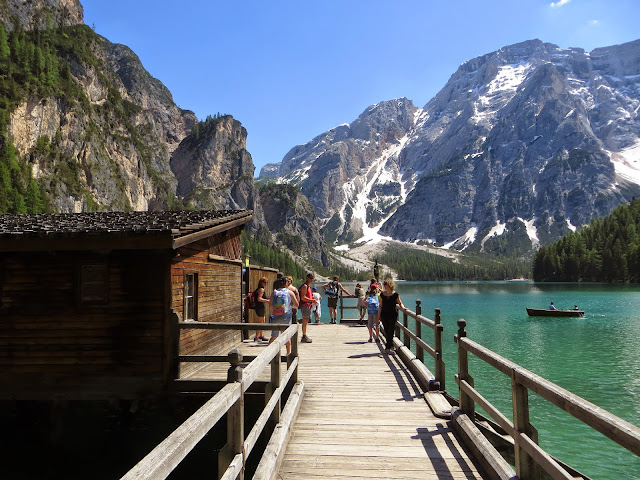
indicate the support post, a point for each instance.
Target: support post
{"x":467,"y":404}
{"x":406,"y":337}
{"x":293,"y":354}
{"x":439,"y":360}
{"x":235,"y":419}
{"x":526,"y":467}
{"x":419,"y":349}
{"x":273,"y":385}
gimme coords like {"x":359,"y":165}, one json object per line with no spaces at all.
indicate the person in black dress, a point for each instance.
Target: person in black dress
{"x":261,"y":302}
{"x":387,"y":312}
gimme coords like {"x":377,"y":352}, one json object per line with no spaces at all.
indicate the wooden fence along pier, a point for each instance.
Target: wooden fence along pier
{"x":340,"y":408}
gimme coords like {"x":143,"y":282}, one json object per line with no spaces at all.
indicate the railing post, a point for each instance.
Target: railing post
{"x":273,"y":385}
{"x":526,"y":467}
{"x":419,"y":349}
{"x":293,"y":354}
{"x":406,"y":338}
{"x":235,"y":419}
{"x":341,"y":307}
{"x":467,"y":404}
{"x":440,"y":371}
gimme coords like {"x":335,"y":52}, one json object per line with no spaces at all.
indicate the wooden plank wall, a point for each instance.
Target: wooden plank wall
{"x":219,"y":268}
{"x":51,"y":344}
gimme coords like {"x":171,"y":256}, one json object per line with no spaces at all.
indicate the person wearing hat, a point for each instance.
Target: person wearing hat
{"x":332,"y":289}
{"x":317,"y":313}
{"x":306,"y":302}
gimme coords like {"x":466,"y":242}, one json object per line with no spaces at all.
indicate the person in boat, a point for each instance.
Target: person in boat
{"x":552,"y":306}
{"x":575,"y":307}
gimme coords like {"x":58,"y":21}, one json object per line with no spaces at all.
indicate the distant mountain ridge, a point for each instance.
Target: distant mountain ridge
{"x":521,"y":146}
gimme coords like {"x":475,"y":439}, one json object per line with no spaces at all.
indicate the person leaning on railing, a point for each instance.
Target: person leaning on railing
{"x":387,"y":312}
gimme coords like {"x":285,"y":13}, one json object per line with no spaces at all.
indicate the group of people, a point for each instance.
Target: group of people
{"x":378,"y":303}
{"x":285,"y":302}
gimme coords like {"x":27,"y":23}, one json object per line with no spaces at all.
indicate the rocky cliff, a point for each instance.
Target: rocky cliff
{"x":40,"y":14}
{"x":521,"y":146}
{"x":97,"y":131}
{"x":294,"y":222}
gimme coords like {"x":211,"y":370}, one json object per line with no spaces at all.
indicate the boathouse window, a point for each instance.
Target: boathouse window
{"x":93,"y":283}
{"x":191,"y":296}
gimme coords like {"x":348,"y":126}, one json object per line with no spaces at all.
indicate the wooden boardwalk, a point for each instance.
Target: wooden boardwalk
{"x":363,"y":416}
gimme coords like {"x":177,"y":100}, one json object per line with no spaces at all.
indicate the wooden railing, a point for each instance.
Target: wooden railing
{"x":402,"y":341}
{"x":342,"y":307}
{"x":421,"y":346}
{"x":531,"y":461}
{"x":229,"y":401}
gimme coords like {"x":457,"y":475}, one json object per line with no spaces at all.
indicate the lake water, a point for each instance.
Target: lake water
{"x":596,"y":356}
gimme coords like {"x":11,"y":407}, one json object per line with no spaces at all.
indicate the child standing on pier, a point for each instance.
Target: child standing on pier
{"x":372,"y":302}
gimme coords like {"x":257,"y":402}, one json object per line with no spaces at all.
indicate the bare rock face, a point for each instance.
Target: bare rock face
{"x":40,"y":14}
{"x":214,"y":169}
{"x":293,"y":220}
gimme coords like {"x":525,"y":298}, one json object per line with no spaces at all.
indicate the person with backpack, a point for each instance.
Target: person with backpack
{"x":281,"y":301}
{"x":260,"y":306}
{"x":332,"y":289}
{"x":372,"y":301}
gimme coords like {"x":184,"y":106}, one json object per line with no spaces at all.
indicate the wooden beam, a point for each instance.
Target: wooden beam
{"x":244,"y":217}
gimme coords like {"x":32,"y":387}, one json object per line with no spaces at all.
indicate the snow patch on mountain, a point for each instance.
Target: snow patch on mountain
{"x":496,"y":231}
{"x":627,"y":163}
{"x":532,"y":231}
{"x":499,"y":91}
{"x":463,"y":241}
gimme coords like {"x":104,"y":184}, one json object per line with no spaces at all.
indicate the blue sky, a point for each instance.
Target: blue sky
{"x":290,"y":70}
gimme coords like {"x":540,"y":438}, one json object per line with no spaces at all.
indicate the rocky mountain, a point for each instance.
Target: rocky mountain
{"x":84,"y":126}
{"x":289,"y":213}
{"x":521,"y":146}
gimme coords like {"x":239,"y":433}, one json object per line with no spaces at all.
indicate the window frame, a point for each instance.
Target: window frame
{"x":101,"y":285}
{"x":190,"y":300}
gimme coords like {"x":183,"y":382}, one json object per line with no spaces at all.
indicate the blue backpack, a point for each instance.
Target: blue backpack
{"x":372,"y":304}
{"x":280,"y":304}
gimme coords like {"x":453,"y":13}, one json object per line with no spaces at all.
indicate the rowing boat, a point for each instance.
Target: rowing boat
{"x":542,"y":312}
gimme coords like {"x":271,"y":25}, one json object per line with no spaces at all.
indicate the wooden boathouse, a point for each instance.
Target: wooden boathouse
{"x":90,"y":302}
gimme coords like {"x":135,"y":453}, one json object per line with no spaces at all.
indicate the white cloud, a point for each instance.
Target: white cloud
{"x":593,"y":23}
{"x":559,"y":4}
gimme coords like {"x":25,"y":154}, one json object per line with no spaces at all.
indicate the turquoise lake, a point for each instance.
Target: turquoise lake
{"x":596,"y":357}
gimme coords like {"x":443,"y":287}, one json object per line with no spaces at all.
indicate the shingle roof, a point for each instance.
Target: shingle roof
{"x":170,"y":225}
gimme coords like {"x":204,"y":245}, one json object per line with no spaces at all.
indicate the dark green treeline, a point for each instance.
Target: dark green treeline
{"x":607,"y":250}
{"x":416,"y":265}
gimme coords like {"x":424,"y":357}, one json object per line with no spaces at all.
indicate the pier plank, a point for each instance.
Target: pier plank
{"x":364,"y":416}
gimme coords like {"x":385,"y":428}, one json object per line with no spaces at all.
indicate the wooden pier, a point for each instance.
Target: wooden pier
{"x":340,"y":407}
{"x":363,"y":415}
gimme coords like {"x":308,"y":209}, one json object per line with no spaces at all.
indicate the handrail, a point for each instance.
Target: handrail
{"x":421,"y":345}
{"x":529,"y":456}
{"x":344,"y":307}
{"x":437,"y":380}
{"x":165,"y":457}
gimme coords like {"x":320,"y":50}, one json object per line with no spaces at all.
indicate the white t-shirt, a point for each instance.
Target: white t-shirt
{"x":316,"y":306}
